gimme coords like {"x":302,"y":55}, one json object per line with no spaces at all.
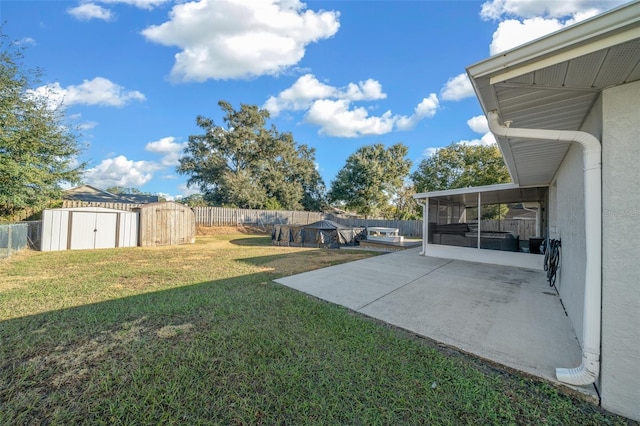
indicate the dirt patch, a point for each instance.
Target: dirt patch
{"x":74,"y":361}
{"x":169,"y":331}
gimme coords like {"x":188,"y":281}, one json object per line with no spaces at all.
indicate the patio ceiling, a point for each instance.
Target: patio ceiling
{"x":553,"y":83}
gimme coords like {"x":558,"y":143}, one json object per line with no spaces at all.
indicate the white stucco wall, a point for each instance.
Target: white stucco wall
{"x":620,"y":375}
{"x":567,"y":224}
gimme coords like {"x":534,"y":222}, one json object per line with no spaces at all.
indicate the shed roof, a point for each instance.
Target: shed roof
{"x":91,"y":210}
{"x":92,"y":194}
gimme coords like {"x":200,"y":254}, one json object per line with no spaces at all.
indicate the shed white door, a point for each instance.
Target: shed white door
{"x":91,"y":230}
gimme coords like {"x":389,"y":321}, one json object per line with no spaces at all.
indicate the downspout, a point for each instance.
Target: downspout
{"x":538,"y":212}
{"x":587,"y":372}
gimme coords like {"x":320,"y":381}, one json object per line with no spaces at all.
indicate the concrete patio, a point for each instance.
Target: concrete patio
{"x":507,"y":315}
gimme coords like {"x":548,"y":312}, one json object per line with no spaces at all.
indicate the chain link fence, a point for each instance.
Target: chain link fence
{"x":13,"y":238}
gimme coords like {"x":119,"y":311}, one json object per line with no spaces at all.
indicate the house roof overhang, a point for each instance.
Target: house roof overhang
{"x":553,"y":83}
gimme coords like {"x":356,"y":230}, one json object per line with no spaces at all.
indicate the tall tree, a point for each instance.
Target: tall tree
{"x":194,"y":200}
{"x":371,"y":177}
{"x":246,"y":165}
{"x":461,"y":166}
{"x":403,"y":206}
{"x":37,"y":150}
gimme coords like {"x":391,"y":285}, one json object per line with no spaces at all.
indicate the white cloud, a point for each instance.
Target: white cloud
{"x":89,"y":11}
{"x":497,"y":9}
{"x":457,"y":88}
{"x":307,"y":89}
{"x":331,"y":108}
{"x":339,"y":118}
{"x":300,"y":95}
{"x":98,"y":91}
{"x":140,"y":4}
{"x":363,"y":91}
{"x":120,"y":171}
{"x":525,"y":21}
{"x":512,"y":33}
{"x":429,"y":152}
{"x":425,"y":109}
{"x":168,"y":148}
{"x":335,"y":118}
{"x":185,"y":191}
{"x":168,"y":197}
{"x":230,"y":39}
{"x":88,"y":125}
{"x":26,"y":41}
{"x":478,"y":124}
{"x":486,"y":139}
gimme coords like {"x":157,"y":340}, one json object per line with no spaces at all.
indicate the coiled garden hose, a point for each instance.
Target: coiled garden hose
{"x":551,"y":249}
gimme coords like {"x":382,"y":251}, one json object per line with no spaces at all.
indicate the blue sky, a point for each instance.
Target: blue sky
{"x":135,"y":74}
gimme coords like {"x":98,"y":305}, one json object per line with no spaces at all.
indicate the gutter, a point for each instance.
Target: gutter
{"x":587,"y":372}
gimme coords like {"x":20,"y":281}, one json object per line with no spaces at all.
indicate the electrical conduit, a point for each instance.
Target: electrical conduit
{"x":587,"y":372}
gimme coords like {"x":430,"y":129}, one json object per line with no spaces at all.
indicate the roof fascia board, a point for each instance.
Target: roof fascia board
{"x":584,"y":33}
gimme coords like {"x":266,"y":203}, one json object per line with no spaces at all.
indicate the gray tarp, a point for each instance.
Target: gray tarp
{"x":325,"y":233}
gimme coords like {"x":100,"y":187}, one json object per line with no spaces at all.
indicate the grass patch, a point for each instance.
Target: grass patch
{"x":199,"y":334}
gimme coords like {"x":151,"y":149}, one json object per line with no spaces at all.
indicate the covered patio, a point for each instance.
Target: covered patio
{"x":508,"y":316}
{"x":454,"y":234}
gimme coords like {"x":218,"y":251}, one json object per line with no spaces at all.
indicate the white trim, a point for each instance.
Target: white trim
{"x":468,"y":190}
{"x":492,"y":257}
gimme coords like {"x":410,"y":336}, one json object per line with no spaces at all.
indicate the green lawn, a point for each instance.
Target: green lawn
{"x":199,"y":334}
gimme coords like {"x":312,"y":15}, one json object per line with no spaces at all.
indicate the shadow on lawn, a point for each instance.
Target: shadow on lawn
{"x":263,"y":240}
{"x":33,"y":335}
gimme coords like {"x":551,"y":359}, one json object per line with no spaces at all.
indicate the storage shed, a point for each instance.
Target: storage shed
{"x":82,"y":228}
{"x":166,"y":223}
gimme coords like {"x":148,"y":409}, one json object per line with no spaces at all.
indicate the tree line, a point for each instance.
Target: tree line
{"x":243,"y":163}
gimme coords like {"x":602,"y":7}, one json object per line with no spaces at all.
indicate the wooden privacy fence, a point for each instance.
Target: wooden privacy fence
{"x":222,"y":216}
{"x":407,"y":228}
{"x":525,"y":228}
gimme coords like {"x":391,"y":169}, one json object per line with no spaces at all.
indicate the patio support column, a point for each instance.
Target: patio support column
{"x":425,"y":225}
{"x":479,"y":216}
{"x":425,"y":236}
